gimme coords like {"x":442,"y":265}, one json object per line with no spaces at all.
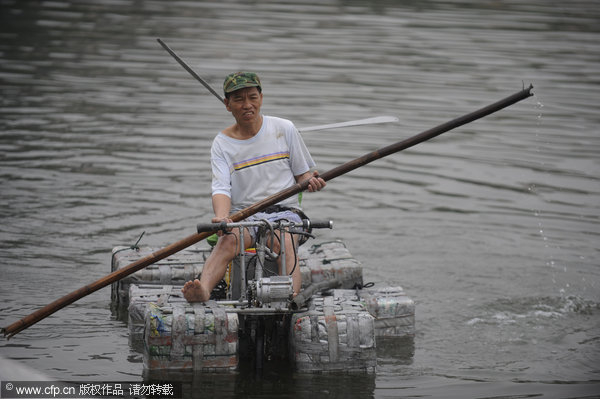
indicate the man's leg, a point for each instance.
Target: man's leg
{"x":291,"y":262}
{"x":214,"y":268}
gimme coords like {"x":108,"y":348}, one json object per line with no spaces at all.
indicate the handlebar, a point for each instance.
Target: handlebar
{"x":208,"y":227}
{"x":223,"y":226}
{"x":317,"y":224}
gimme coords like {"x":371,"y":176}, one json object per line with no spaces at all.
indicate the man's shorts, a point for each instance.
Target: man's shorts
{"x":288,"y":215}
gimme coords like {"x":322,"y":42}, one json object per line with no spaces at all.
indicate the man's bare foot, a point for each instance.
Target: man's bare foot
{"x":194,"y":292}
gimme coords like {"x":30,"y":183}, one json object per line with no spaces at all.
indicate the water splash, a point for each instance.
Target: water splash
{"x":551,"y":261}
{"x":533,"y":310}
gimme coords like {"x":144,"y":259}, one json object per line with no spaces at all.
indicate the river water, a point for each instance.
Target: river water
{"x":492,"y":229}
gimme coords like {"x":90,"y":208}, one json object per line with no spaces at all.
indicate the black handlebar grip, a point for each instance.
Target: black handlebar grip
{"x":208,"y":227}
{"x":319,"y":224}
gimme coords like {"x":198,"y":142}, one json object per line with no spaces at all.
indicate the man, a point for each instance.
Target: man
{"x":255,"y":157}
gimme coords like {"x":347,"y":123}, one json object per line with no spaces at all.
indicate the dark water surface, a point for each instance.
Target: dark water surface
{"x":493,"y":228}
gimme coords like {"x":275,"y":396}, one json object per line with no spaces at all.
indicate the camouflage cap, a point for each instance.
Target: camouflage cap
{"x":239,"y":80}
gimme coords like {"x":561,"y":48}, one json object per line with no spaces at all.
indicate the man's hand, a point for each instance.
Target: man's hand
{"x":221,"y":220}
{"x":315,"y":183}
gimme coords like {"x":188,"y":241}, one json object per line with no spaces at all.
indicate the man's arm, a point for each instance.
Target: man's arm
{"x":221,"y":206}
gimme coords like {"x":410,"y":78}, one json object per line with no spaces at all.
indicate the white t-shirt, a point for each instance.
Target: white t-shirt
{"x":250,"y":170}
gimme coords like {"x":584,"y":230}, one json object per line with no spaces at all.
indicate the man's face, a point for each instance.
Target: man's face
{"x":244,"y":104}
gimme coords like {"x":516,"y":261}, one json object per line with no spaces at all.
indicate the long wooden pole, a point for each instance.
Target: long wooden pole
{"x":115,"y":276}
{"x":358,"y":122}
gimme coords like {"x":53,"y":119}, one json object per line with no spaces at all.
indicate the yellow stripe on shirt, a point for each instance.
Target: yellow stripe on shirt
{"x":260,"y":160}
